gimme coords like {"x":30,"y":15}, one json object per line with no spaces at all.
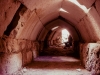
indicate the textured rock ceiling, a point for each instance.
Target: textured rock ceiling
{"x":82,"y":15}
{"x":73,"y":10}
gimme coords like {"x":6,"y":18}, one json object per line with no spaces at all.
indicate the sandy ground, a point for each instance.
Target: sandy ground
{"x":54,"y":65}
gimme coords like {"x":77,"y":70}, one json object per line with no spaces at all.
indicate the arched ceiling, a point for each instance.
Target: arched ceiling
{"x":83,"y":15}
{"x":61,"y":24}
{"x":74,"y":10}
{"x":46,"y":10}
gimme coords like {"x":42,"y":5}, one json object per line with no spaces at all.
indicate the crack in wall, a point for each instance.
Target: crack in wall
{"x":37,"y":15}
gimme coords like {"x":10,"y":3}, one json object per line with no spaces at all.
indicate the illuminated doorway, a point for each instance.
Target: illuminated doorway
{"x":65,"y":35}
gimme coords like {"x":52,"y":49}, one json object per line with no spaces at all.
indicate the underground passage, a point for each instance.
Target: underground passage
{"x":49,"y":37}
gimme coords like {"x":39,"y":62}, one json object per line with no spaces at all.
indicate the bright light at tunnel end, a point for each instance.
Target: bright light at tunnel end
{"x":65,"y":32}
{"x":65,"y":35}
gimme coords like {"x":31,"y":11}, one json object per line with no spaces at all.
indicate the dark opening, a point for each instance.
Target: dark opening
{"x":15,"y":19}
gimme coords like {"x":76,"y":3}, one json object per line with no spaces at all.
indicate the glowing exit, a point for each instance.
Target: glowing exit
{"x":65,"y":35}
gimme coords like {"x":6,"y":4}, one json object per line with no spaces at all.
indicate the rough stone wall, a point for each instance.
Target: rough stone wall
{"x":7,"y":10}
{"x":90,"y":56}
{"x":10,"y":63}
{"x":14,"y":54}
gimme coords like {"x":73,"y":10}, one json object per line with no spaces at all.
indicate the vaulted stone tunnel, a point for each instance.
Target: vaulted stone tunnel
{"x":29,"y":27}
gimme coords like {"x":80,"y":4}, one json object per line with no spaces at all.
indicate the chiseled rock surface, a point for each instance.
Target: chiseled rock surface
{"x":14,"y":54}
{"x":7,"y":10}
{"x":10,"y":63}
{"x":90,"y":55}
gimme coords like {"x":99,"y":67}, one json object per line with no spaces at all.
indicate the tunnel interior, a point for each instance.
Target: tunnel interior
{"x":57,"y":40}
{"x":32,"y":30}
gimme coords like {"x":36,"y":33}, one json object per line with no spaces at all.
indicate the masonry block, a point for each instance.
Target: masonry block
{"x":90,"y":56}
{"x":10,"y":63}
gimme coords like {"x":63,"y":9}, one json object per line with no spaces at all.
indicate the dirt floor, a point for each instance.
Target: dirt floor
{"x":54,"y":65}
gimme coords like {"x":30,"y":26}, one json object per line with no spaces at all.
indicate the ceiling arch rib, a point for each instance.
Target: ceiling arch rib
{"x":73,"y":11}
{"x":78,"y":18}
{"x":59,"y":23}
{"x":46,"y":10}
{"x":41,"y":12}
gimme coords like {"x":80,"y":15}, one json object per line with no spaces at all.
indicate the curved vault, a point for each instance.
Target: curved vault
{"x":80,"y":14}
{"x":36,"y":18}
{"x":61,"y":24}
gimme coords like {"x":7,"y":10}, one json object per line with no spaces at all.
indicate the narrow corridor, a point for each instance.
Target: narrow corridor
{"x":54,"y":64}
{"x":49,"y":37}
